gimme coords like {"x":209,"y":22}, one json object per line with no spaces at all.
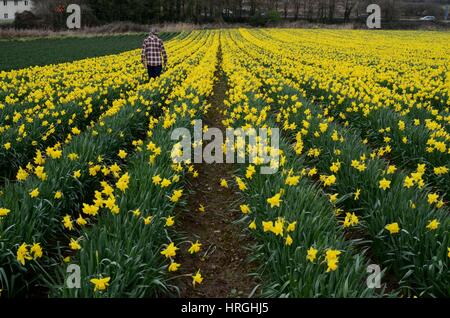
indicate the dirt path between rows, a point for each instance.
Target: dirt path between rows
{"x":223,"y":257}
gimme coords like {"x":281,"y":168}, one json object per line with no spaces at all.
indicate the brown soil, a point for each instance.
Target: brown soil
{"x":222,"y":259}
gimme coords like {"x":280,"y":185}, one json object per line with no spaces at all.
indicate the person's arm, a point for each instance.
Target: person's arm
{"x":163,"y":52}
{"x":143,"y":55}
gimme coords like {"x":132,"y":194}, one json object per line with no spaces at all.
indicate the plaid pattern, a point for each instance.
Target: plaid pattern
{"x":153,"y":51}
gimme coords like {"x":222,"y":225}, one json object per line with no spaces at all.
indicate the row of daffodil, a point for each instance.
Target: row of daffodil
{"x":67,"y":96}
{"x":37,"y":148}
{"x":129,"y":253}
{"x":46,"y":86}
{"x":397,"y":69}
{"x":43,"y":88}
{"x":298,"y":239}
{"x":406,"y":222}
{"x":31,"y":231}
{"x":38,"y":127}
{"x":410,"y":157}
{"x":408,"y":138}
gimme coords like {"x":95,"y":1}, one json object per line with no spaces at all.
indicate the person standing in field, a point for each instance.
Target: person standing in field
{"x":154,"y":54}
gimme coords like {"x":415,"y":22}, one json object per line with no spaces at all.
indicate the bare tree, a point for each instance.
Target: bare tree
{"x":308,"y":6}
{"x":52,"y":13}
{"x":296,"y":9}
{"x":349,"y":5}
{"x":321,"y":10}
{"x":389,"y":9}
{"x":331,"y":9}
{"x":286,"y":8}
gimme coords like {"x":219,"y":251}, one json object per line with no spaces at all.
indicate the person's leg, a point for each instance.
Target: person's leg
{"x":154,"y":71}
{"x":158,"y":70}
{"x":150,"y":71}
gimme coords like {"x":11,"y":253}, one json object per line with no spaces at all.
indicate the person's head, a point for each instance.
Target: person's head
{"x":154,"y":31}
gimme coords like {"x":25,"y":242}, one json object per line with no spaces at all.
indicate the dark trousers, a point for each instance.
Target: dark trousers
{"x":154,"y":71}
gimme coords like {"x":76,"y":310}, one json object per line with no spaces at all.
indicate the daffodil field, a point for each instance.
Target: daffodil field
{"x":363,"y":179}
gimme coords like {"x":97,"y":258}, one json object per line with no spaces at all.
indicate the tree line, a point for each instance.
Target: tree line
{"x":201,"y":11}
{"x":258,"y":12}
